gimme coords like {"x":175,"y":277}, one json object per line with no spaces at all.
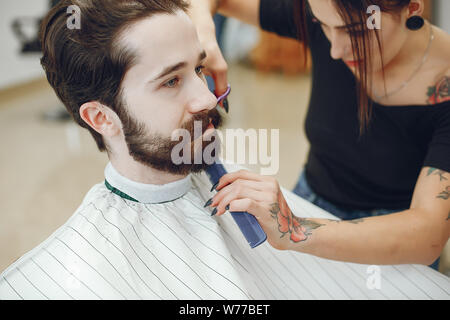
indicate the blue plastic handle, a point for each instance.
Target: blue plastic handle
{"x":246,"y":222}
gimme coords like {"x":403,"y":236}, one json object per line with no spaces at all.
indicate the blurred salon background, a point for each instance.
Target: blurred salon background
{"x":48,"y":164}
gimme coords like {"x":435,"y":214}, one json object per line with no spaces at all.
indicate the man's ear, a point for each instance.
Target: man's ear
{"x":100,"y":118}
{"x":416,"y":8}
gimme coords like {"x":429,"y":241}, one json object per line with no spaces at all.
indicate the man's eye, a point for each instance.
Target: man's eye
{"x":171,"y":83}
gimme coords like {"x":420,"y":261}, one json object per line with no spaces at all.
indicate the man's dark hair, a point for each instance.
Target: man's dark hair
{"x":88,"y":64}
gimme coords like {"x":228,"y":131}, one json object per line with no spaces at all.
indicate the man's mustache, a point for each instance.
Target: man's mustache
{"x":205,"y":118}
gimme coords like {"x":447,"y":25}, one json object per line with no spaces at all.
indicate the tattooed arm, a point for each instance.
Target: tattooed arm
{"x":417,"y":235}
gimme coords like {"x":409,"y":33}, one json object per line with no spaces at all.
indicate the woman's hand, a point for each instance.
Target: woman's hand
{"x":201,"y":13}
{"x":414,"y":236}
{"x":261,"y":196}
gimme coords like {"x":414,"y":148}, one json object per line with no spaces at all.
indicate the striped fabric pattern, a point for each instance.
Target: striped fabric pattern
{"x":114,"y":248}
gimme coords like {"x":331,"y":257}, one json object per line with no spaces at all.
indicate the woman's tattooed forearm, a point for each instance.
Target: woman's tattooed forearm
{"x":440,"y":173}
{"x":299,"y":229}
{"x":444,"y":194}
{"x":355,"y":221}
{"x":443,"y":175}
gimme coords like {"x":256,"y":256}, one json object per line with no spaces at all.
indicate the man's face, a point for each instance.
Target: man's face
{"x":165,"y":90}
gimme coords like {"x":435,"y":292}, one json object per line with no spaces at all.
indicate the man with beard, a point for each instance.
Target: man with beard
{"x":132,"y":75}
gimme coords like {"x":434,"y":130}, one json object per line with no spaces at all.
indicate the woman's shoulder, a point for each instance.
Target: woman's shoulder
{"x":438,"y":91}
{"x":438,"y":87}
{"x":430,"y":86}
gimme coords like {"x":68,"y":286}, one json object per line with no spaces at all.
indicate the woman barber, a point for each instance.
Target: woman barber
{"x":378,"y":124}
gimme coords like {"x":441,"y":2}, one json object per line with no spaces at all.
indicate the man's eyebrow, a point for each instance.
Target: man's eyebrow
{"x":178,"y":66}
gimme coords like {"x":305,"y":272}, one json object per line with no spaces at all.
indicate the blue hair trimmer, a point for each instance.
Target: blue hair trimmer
{"x":248,"y":224}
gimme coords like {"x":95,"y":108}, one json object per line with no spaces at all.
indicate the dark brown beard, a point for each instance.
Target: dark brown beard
{"x":155,"y":150}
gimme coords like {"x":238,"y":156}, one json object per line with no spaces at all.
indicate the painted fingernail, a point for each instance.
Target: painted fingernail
{"x":227,"y":207}
{"x":214,"y":212}
{"x":215,"y":186}
{"x":208,"y":203}
{"x":226,"y":105}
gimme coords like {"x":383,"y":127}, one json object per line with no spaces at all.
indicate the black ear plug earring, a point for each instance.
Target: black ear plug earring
{"x":415,"y":23}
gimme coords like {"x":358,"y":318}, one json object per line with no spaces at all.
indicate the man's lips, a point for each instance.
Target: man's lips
{"x":210,"y":128}
{"x":207,"y":131}
{"x":210,"y":125}
{"x":206,"y":128}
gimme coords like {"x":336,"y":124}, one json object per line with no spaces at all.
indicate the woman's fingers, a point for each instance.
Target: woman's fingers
{"x":236,"y":194}
{"x":215,"y":65}
{"x":259,"y":191}
{"x":219,"y":72}
{"x":241,"y":174}
{"x":243,"y":184}
{"x":260,"y":196}
{"x":243,"y":205}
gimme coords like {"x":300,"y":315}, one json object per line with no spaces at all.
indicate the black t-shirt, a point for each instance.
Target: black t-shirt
{"x":379,"y":169}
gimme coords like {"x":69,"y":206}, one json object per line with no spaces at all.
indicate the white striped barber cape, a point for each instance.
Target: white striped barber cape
{"x":167,"y":246}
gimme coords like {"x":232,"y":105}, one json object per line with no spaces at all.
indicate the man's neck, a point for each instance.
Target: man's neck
{"x":141,"y":173}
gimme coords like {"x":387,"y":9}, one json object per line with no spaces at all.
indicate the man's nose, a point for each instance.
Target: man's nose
{"x":201,"y":98}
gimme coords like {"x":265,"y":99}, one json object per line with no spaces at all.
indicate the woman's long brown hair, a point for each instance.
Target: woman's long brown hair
{"x":355,"y":12}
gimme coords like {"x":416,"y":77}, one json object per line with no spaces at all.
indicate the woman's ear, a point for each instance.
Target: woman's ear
{"x":416,"y":8}
{"x":100,"y":118}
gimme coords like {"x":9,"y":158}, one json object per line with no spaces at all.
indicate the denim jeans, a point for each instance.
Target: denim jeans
{"x":303,"y":190}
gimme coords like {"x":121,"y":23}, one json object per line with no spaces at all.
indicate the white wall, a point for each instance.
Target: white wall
{"x":441,"y":13}
{"x":14,"y":67}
